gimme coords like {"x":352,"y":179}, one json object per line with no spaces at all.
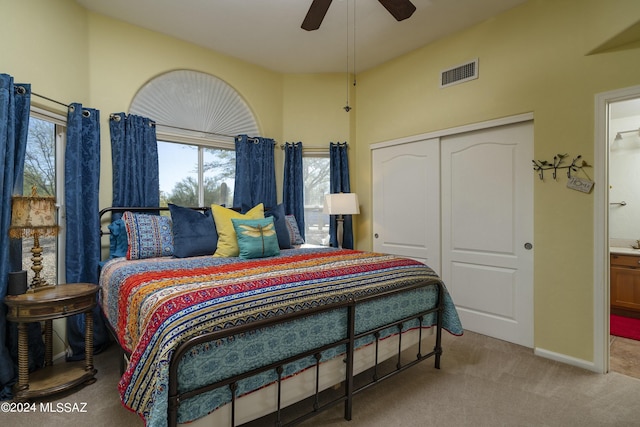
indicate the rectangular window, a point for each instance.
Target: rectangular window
{"x":41,"y":166}
{"x":196,"y":175}
{"x":316,"y":185}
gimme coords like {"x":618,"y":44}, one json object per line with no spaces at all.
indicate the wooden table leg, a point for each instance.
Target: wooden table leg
{"x":48,"y":343}
{"x":23,"y":357}
{"x":88,"y":343}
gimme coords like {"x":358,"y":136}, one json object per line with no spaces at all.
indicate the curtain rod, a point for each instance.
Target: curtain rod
{"x":198,"y":131}
{"x":317,"y":150}
{"x":85,"y":113}
{"x":207,"y":132}
{"x":49,"y":99}
{"x":153,"y":123}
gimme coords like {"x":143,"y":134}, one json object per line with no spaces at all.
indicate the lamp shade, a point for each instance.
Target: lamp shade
{"x":341,"y":204}
{"x":33,"y":214}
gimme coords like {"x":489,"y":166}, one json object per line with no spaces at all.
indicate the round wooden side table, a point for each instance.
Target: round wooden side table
{"x":46,"y":305}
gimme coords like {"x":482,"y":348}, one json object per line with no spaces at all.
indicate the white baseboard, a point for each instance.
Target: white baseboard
{"x":62,"y":356}
{"x":563,"y":358}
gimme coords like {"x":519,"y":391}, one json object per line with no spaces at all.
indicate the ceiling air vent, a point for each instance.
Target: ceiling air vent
{"x":459,"y":74}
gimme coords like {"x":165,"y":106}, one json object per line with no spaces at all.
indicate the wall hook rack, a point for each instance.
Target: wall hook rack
{"x":541,"y":165}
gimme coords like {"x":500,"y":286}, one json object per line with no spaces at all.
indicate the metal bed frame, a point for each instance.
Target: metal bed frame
{"x":349,"y":389}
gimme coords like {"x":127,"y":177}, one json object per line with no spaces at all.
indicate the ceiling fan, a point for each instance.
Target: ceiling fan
{"x":400,"y":9}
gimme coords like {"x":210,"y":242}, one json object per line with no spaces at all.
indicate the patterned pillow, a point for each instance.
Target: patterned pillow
{"x":257,"y":238}
{"x":227,"y":240}
{"x":294,"y":231}
{"x":149,"y":236}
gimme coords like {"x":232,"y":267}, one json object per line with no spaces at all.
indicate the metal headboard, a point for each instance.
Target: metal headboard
{"x":153,"y":209}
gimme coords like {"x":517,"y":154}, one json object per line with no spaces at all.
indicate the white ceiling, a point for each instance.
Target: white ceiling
{"x":268,"y":33}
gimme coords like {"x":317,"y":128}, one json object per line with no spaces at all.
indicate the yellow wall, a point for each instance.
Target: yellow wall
{"x":44,"y":42}
{"x":313,"y":109}
{"x":124,"y":57}
{"x":533,"y":58}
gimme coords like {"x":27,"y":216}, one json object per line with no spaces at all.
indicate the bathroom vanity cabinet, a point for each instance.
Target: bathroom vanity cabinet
{"x":625,"y":284}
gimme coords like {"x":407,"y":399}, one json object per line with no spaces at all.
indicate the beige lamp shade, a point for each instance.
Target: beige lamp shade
{"x":341,"y":204}
{"x":33,"y":215}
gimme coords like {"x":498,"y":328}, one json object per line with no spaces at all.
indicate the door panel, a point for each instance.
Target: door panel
{"x":497,"y":294}
{"x":487,"y":217}
{"x":406,"y":208}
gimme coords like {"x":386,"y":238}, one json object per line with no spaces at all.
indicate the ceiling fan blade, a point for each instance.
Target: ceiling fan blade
{"x":400,"y":9}
{"x":315,"y":15}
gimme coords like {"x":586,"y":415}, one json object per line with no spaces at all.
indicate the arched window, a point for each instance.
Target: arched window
{"x":197,"y":116}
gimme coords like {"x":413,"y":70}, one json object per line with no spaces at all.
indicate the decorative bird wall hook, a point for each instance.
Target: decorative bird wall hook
{"x":541,"y":165}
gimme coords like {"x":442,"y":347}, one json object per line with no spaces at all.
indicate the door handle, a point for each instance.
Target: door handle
{"x":528,"y":246}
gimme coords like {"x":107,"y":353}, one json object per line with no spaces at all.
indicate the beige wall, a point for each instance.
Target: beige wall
{"x":533,"y":58}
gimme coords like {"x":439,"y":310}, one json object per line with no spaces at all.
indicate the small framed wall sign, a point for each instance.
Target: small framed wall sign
{"x":580,"y":184}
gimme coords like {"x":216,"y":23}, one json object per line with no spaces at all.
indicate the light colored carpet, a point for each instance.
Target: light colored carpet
{"x":482,"y":382}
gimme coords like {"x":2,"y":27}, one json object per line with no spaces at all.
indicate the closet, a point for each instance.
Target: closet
{"x":462,"y":202}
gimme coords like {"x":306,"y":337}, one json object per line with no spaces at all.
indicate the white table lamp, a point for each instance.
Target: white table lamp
{"x":341,"y":204}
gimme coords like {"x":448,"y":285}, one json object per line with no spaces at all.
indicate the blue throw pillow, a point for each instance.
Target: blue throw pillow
{"x":118,"y":243}
{"x":256,"y":237}
{"x":194,"y":232}
{"x":284,"y":240}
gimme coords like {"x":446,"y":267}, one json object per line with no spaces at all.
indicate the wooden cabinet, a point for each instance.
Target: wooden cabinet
{"x":625,"y":283}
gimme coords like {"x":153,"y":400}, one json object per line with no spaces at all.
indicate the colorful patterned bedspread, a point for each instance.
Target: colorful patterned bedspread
{"x":154,"y":305}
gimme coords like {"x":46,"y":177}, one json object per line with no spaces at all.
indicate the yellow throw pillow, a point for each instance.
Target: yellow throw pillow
{"x":227,"y":238}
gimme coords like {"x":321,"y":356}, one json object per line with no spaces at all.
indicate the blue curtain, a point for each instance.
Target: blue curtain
{"x":15,"y":103}
{"x":255,"y":172}
{"x":81,"y":189}
{"x":134,"y":154}
{"x":293,"y":185}
{"x":339,"y":183}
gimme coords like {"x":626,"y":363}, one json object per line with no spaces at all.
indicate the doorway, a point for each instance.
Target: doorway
{"x":614,"y":146}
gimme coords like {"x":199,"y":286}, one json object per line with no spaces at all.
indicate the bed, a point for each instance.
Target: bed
{"x":234,"y":338}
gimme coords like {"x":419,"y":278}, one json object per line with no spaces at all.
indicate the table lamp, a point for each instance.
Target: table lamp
{"x":341,"y":204}
{"x":34,"y":216}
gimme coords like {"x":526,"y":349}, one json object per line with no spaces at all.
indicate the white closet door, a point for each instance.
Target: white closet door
{"x":487,"y":229}
{"x":406,"y":201}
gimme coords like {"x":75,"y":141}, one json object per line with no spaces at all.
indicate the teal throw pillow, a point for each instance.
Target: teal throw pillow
{"x":256,"y":237}
{"x":118,"y":243}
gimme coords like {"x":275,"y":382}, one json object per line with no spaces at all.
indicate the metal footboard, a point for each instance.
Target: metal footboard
{"x":175,"y":397}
